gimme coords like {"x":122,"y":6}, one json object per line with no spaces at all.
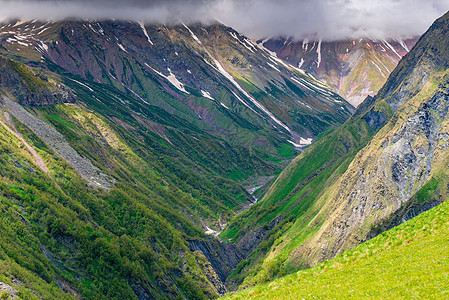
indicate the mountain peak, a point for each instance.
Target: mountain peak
{"x":354,"y":69}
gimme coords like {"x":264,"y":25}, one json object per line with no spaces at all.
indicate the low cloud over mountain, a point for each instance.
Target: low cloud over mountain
{"x":325,"y":19}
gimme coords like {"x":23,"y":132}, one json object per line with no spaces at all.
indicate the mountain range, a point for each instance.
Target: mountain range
{"x":354,"y":69}
{"x":136,"y":140}
{"x":146,"y":161}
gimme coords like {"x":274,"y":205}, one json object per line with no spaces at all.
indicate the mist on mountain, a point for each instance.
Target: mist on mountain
{"x":322,"y":19}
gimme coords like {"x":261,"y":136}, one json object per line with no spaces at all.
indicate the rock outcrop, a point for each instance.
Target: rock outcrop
{"x":7,"y":291}
{"x":31,"y":89}
{"x":224,"y":257}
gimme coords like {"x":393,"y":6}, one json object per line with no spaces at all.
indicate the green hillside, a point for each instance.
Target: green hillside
{"x":294,"y":194}
{"x":359,"y":180}
{"x":100,"y":198}
{"x":408,"y":261}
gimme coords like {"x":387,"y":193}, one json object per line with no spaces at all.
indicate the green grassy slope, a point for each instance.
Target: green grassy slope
{"x":169,"y":177}
{"x":409,"y":261}
{"x":100,"y":244}
{"x":293,"y":196}
{"x":326,"y":197}
{"x":307,"y":174}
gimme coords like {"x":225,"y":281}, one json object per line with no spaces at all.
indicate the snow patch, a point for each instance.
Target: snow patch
{"x":294,"y":144}
{"x":306,"y":141}
{"x":305,"y":44}
{"x":21,"y":37}
{"x":302,"y":142}
{"x":137,"y":95}
{"x":247,"y":95}
{"x":207,"y":95}
{"x":391,"y":47}
{"x":301,"y":63}
{"x":313,"y":46}
{"x":80,"y":83}
{"x":381,"y":62}
{"x":112,"y":75}
{"x":179,"y":85}
{"x":20,"y":23}
{"x":121,"y":47}
{"x":274,"y":67}
{"x":404,"y":45}
{"x":193,"y":35}
{"x":145,"y":32}
{"x":240,"y":99}
{"x":380,"y":70}
{"x":318,"y":51}
{"x":245,"y":45}
{"x":100,"y":29}
{"x":314,"y":88}
{"x":276,"y":60}
{"x":93,"y":29}
{"x":172,"y":78}
{"x":250,"y":44}
{"x":234,"y":35}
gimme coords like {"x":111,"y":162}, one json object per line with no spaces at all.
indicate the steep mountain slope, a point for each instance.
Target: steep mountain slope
{"x":101,"y":195}
{"x":409,"y":260}
{"x":354,"y":69}
{"x":210,"y":76}
{"x":381,"y":168}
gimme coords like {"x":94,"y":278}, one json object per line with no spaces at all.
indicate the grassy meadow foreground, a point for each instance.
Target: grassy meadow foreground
{"x":408,"y":261}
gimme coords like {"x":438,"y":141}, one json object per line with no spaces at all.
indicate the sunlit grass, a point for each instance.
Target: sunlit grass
{"x":409,"y":261}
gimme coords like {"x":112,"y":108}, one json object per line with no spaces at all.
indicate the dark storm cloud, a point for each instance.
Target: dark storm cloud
{"x":326,"y":19}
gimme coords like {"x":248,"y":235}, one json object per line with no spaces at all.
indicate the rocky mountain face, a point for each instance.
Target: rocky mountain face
{"x":385,"y":165}
{"x":212,"y":76}
{"x":354,"y":69}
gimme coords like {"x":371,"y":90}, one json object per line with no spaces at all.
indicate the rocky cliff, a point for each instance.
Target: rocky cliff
{"x":32,"y":89}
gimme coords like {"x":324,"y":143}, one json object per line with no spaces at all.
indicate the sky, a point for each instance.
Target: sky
{"x":300,"y":19}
